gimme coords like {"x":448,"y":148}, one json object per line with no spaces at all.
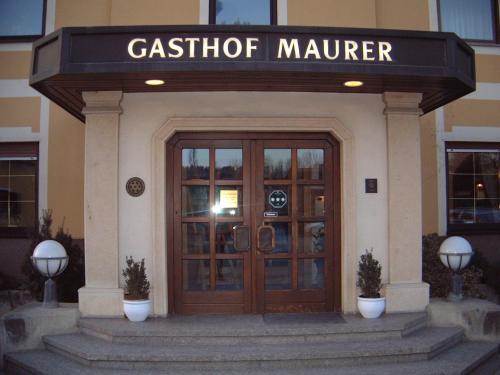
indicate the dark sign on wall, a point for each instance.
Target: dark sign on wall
{"x":263,"y":58}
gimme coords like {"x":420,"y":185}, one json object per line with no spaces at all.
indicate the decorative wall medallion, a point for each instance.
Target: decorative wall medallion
{"x":135,"y":186}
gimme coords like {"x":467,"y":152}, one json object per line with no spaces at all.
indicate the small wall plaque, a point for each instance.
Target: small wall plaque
{"x":135,"y":186}
{"x":370,"y":185}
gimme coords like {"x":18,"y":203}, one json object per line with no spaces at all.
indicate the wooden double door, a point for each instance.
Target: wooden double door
{"x":253,"y":223}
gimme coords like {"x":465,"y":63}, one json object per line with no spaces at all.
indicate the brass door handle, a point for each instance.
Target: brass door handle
{"x":241,"y":237}
{"x":266,"y":238}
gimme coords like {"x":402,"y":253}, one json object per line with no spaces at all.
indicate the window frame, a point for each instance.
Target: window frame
{"x":475,"y":228}
{"x":21,"y":149}
{"x":212,"y":15}
{"x":27,"y":38}
{"x":495,"y":6}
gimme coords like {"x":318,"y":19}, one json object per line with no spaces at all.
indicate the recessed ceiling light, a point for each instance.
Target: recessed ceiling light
{"x":155,"y":82}
{"x":353,"y":83}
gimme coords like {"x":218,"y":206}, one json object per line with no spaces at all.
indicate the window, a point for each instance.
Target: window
{"x":21,"y":20}
{"x":475,"y":20}
{"x":473,"y":187}
{"x":243,"y":12}
{"x":18,"y":188}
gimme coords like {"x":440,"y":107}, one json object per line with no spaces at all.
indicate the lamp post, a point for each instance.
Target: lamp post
{"x":455,"y":253}
{"x":50,"y":259}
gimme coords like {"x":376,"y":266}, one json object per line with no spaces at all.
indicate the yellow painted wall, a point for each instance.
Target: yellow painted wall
{"x":466,"y":112}
{"x":335,"y":13}
{"x":126,"y":12}
{"x":488,"y":68}
{"x":82,"y":13}
{"x":402,"y":14}
{"x":15,"y":64}
{"x":65,"y":174}
{"x":428,"y":150}
{"x":20,"y":112}
{"x":155,"y":12}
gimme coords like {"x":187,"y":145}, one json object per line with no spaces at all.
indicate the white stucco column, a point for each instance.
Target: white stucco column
{"x":101,"y":295}
{"x":405,"y":291}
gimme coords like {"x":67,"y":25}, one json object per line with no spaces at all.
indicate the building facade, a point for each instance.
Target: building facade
{"x":325,"y":173}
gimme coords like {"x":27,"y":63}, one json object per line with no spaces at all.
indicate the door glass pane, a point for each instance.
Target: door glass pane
{"x":195,"y":238}
{"x":229,"y":274}
{"x":196,"y":274}
{"x":311,"y":200}
{"x":224,"y":241}
{"x":312,"y":237}
{"x":229,"y":164}
{"x":310,"y":164}
{"x":311,"y":274}
{"x":195,"y":200}
{"x":282,"y":237}
{"x":195,"y":164}
{"x":278,"y":274}
{"x":277,"y":162}
{"x":277,"y":200}
{"x":228,"y":201}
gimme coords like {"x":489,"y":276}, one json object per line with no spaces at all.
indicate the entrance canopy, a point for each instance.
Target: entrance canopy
{"x":249,"y":58}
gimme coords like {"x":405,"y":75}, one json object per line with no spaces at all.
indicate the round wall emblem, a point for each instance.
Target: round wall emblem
{"x":278,"y":199}
{"x":135,"y":186}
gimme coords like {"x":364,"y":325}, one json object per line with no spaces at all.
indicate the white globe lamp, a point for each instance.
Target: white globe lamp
{"x":455,"y":253}
{"x":50,"y":259}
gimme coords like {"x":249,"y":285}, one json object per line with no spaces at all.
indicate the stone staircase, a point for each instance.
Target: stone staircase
{"x":255,"y":344}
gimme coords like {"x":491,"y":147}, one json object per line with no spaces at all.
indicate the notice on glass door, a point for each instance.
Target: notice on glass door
{"x":228,"y":199}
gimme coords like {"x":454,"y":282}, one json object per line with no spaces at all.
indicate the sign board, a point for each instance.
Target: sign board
{"x":278,"y":199}
{"x":228,"y":199}
{"x":73,"y":60}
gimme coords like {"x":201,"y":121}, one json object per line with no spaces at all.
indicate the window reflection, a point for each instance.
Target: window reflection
{"x":310,"y":164}
{"x":195,"y":200}
{"x":473,"y":186}
{"x":278,"y":274}
{"x":311,"y":274}
{"x":195,"y":163}
{"x":277,"y":164}
{"x":228,"y":164}
{"x":243,"y":12}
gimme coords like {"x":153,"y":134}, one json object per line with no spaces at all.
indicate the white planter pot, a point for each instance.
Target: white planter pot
{"x":371,"y":307}
{"x":137,"y":311}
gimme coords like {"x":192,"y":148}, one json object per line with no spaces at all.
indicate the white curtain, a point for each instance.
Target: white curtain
{"x":470,"y":19}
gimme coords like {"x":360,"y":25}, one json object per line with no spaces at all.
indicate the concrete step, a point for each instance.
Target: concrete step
{"x":270,"y":328}
{"x":460,"y":360}
{"x":92,"y":351}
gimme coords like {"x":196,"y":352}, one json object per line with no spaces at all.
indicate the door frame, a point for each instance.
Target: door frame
{"x":337,"y":287}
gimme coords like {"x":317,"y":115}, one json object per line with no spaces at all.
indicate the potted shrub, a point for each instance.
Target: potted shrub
{"x":136,"y":303}
{"x":370,"y":303}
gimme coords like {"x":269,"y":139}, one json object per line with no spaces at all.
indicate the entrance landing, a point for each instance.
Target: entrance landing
{"x":264,"y":327}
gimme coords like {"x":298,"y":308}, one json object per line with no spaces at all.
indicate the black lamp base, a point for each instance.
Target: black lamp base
{"x":50,"y":294}
{"x":456,"y":288}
